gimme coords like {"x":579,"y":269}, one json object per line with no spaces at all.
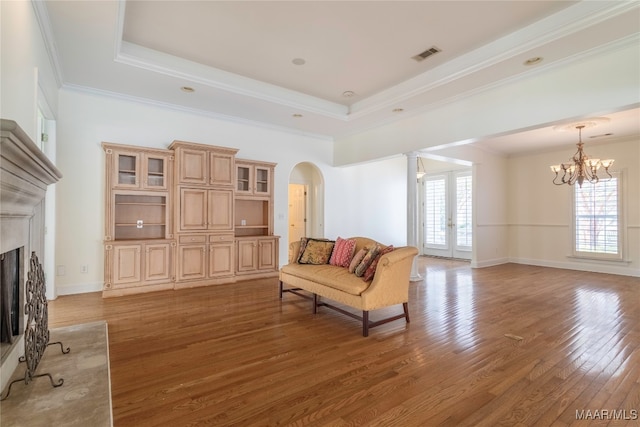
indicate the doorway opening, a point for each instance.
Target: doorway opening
{"x":447,"y":214}
{"x":306,"y":202}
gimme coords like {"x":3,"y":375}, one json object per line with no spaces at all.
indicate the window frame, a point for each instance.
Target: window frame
{"x":619,"y":176}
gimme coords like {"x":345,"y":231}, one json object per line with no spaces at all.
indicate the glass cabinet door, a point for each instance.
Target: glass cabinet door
{"x":155,"y":172}
{"x":128,"y":169}
{"x":263,"y":178}
{"x":243,"y":176}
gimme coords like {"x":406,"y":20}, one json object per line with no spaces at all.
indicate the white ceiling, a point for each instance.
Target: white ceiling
{"x":238,"y":55}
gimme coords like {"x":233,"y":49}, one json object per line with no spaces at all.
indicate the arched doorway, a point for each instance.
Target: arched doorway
{"x":306,"y":202}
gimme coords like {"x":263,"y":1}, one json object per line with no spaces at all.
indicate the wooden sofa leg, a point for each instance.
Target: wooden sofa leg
{"x":315,"y":303}
{"x":281,"y":289}
{"x":365,"y":323}
{"x":405,"y":306}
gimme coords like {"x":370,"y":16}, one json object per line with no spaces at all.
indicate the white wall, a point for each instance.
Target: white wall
{"x":540,"y":212}
{"x":369,"y":200}
{"x":86,"y":120}
{"x":24,"y":67}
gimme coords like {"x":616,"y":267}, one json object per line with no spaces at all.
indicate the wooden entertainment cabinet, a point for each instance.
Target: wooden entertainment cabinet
{"x":192,"y":215}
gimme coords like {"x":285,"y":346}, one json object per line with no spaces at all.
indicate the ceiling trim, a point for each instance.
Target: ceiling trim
{"x":158,"y":62}
{"x":565,"y":22}
{"x":138,"y":56}
{"x":568,"y":21}
{"x":630,"y":40}
{"x":42,"y":16}
{"x":196,"y":111}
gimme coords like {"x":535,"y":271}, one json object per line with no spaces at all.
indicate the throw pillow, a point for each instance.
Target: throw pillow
{"x":367,"y":260}
{"x":371,"y":270}
{"x":317,"y":251}
{"x":303,"y":244}
{"x":343,"y":252}
{"x":357,"y":259}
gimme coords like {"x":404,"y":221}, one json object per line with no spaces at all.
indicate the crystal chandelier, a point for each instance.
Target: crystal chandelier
{"x":583,"y":168}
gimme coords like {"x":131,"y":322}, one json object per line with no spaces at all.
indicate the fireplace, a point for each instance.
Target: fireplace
{"x":11,"y":298}
{"x":25,"y":173}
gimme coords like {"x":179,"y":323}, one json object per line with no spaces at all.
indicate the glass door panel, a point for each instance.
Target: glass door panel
{"x":447,"y":215}
{"x":243,"y":179}
{"x":262,"y":181}
{"x":155,"y":172}
{"x":128,"y":165}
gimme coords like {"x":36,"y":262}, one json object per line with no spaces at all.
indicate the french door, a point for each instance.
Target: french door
{"x":447,"y":214}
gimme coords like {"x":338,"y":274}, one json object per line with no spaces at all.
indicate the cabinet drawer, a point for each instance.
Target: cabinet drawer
{"x":192,"y":239}
{"x":221,"y":238}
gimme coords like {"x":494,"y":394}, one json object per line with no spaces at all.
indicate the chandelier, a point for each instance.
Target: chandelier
{"x":583,"y":168}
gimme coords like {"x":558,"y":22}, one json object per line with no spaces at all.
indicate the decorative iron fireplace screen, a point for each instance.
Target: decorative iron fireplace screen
{"x":36,"y":334}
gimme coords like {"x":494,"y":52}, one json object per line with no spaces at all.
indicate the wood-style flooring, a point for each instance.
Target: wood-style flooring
{"x":510,"y":345}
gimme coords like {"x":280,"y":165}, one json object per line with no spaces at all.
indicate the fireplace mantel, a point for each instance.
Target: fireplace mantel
{"x":25,"y":173}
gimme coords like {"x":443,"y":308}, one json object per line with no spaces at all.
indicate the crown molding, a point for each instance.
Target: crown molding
{"x":568,"y":21}
{"x":195,"y":111}
{"x":631,"y":40}
{"x":42,"y":16}
{"x":138,"y":56}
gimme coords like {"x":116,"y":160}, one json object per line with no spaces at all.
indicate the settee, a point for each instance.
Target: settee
{"x":389,"y":285}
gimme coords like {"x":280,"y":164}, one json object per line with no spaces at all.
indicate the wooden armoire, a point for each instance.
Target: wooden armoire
{"x":191,"y":215}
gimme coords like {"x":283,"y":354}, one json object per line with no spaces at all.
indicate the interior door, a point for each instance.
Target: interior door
{"x":447,"y":214}
{"x":297,"y":212}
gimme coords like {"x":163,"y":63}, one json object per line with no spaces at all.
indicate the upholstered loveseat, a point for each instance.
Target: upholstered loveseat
{"x":389,"y":285}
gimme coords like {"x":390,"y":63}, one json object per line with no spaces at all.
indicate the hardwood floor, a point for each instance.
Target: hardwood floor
{"x":510,"y":345}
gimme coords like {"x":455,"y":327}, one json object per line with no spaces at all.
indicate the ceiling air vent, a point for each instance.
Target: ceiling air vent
{"x":427,"y":53}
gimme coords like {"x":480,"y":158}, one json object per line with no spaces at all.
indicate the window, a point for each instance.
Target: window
{"x":597,"y":219}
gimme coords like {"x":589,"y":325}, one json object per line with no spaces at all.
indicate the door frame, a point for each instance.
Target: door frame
{"x":453,"y":250}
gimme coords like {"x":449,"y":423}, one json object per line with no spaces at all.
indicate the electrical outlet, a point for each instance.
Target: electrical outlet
{"x":84,"y":268}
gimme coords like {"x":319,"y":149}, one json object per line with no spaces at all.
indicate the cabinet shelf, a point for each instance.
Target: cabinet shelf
{"x":139,"y":204}
{"x":131,"y":207}
{"x":129,"y":224}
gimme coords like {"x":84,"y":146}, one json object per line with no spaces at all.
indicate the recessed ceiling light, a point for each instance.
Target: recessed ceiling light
{"x":397,"y":110}
{"x":533,"y":61}
{"x":299,"y":61}
{"x":187,"y":89}
{"x":348,"y":93}
{"x":296,"y":115}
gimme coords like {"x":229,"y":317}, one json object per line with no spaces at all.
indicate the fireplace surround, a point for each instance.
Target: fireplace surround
{"x":25,"y":174}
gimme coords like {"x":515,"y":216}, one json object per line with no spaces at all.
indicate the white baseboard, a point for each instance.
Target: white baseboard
{"x":587,"y":265}
{"x":489,"y":262}
{"x":81,"y":288}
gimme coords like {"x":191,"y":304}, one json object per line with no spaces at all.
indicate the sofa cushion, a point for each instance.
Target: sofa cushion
{"x":317,"y":251}
{"x":367,"y":260}
{"x":342,"y":252}
{"x":371,"y":270}
{"x":328,"y":275}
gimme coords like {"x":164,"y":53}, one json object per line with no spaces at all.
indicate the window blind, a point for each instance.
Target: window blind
{"x":596,"y":217}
